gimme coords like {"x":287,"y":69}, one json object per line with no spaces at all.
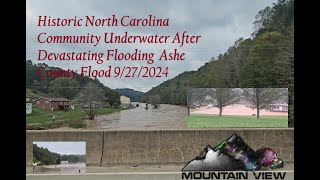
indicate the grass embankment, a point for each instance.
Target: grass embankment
{"x":228,"y":121}
{"x":42,"y":119}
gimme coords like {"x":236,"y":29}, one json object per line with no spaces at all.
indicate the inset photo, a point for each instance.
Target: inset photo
{"x":59,"y":157}
{"x":237,"y":107}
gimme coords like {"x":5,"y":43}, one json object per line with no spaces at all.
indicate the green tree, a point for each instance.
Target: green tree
{"x":260,"y":66}
{"x":263,"y":20}
{"x":234,"y":62}
{"x":91,"y":97}
{"x":190,"y":94}
{"x":58,"y":161}
{"x":64,"y":87}
{"x":285,"y":67}
{"x":225,"y":97}
{"x":143,"y":98}
{"x":275,"y":18}
{"x":291,"y":113}
{"x":261,"y":98}
{"x":46,"y":161}
{"x":155,"y":100}
{"x":113,"y":98}
{"x":198,"y":97}
{"x":36,"y":85}
{"x":218,"y":97}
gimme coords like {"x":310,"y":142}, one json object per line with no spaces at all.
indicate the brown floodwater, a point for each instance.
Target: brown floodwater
{"x":76,"y":168}
{"x":164,"y":117}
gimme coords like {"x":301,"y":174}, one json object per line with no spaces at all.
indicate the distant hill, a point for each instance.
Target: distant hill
{"x":51,"y":87}
{"x":37,"y":86}
{"x":174,"y":91}
{"x":134,"y":95}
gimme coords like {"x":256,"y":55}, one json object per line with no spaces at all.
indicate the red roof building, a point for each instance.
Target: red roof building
{"x":53,"y":104}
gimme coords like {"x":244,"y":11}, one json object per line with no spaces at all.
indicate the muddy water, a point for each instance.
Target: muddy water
{"x":75,"y":168}
{"x":164,"y":117}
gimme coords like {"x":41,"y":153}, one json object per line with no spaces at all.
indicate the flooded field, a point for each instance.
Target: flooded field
{"x":237,"y":109}
{"x":76,"y":168}
{"x":164,"y":117}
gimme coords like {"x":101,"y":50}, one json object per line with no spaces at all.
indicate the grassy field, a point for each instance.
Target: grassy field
{"x":225,"y":121}
{"x":43,"y":118}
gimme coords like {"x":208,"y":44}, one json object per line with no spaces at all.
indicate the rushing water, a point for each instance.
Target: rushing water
{"x":164,"y":117}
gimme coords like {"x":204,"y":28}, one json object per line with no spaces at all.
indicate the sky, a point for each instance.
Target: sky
{"x":65,"y":148}
{"x":219,"y":23}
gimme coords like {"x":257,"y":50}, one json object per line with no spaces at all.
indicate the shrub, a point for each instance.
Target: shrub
{"x":76,"y":123}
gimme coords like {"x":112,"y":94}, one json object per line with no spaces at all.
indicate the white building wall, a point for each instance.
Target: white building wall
{"x":124,"y":100}
{"x":28,"y":108}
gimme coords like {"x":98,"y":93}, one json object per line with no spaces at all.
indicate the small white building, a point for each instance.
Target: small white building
{"x":124,"y":100}
{"x":279,"y":107}
{"x":28,"y":105}
{"x":64,"y":162}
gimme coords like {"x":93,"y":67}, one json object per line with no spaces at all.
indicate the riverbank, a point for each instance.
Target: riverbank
{"x":75,"y":168}
{"x":41,"y":119}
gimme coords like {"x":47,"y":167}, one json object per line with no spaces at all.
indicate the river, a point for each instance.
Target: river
{"x":75,"y":168}
{"x":165,"y":117}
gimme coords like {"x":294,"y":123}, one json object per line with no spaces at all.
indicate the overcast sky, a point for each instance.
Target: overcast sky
{"x":78,"y":148}
{"x":219,"y":22}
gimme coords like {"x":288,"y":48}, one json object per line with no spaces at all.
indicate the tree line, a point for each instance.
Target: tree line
{"x":265,"y":60}
{"x":46,"y":157}
{"x":154,"y":100}
{"x":64,"y":87}
{"x":259,"y":98}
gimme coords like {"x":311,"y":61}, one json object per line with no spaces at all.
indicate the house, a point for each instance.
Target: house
{"x":28,"y":105}
{"x":37,"y":163}
{"x":125,"y":101}
{"x":279,"y":107}
{"x":52,"y":104}
{"x":64,"y":162}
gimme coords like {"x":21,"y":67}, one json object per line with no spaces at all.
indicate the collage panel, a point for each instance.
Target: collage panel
{"x":160,"y":89}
